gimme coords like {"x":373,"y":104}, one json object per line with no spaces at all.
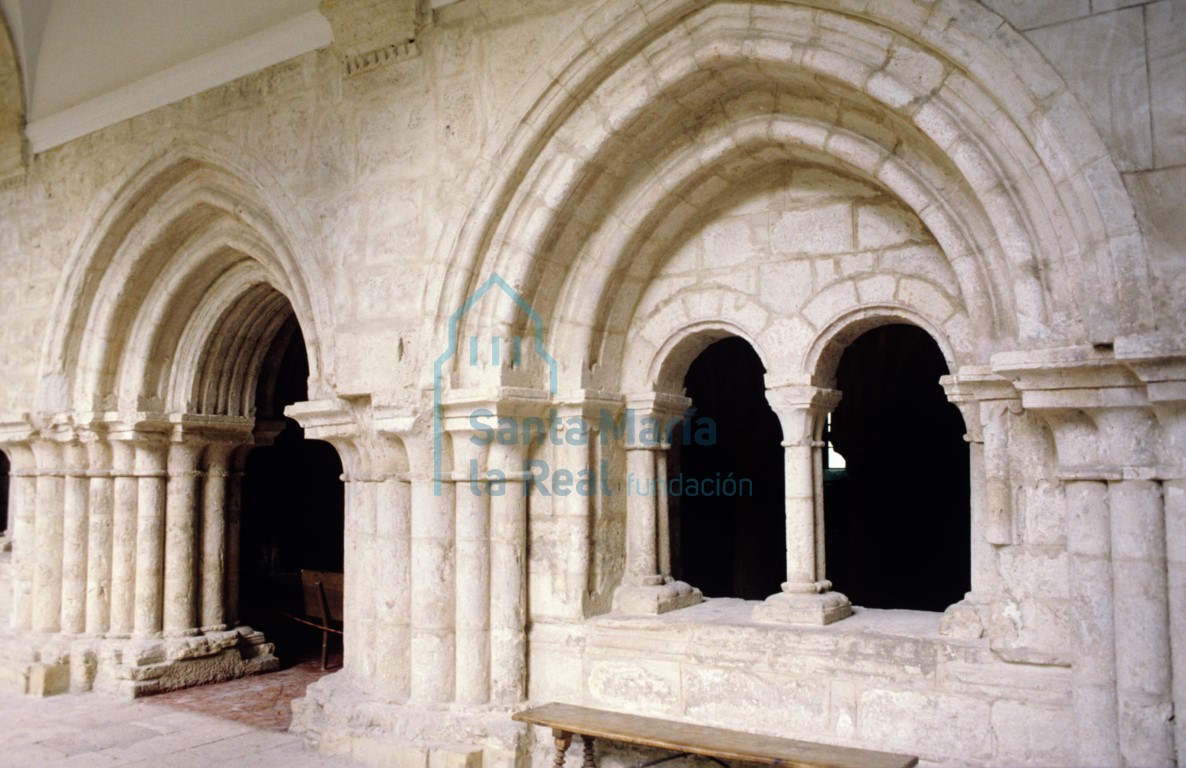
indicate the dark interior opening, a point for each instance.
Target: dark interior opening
{"x":729,"y":545}
{"x":897,"y":515}
{"x":5,"y":467}
{"x":293,"y":507}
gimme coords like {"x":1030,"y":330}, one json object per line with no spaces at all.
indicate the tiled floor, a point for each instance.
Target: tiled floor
{"x":262,"y":701}
{"x":240,"y":723}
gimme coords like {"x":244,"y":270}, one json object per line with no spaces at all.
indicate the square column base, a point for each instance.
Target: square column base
{"x":651,"y":600}
{"x":803,"y":608}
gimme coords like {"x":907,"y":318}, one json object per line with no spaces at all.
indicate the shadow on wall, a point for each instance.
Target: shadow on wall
{"x":898,"y":514}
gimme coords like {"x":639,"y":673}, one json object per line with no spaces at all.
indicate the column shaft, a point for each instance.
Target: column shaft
{"x":150,"y":538}
{"x":126,"y":491}
{"x":47,"y":575}
{"x":180,"y":598}
{"x":74,"y":541}
{"x":1093,"y":675}
{"x":234,"y":508}
{"x":1175,"y":547}
{"x":1142,"y":622}
{"x":393,"y":589}
{"x":360,"y":564}
{"x":642,"y":565}
{"x":23,"y":495}
{"x":98,"y":571}
{"x":508,"y":581}
{"x":433,"y":671}
{"x":473,"y":574}
{"x":211,"y":610}
{"x":800,"y":512}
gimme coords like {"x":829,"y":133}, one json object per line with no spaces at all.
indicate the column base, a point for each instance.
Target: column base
{"x":338,"y":719}
{"x":652,"y":600}
{"x":812,"y":608}
{"x":48,"y":664}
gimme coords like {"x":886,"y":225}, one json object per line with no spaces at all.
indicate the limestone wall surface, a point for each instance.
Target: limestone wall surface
{"x":643,"y":177}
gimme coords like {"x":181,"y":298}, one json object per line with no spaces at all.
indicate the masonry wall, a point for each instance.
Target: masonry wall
{"x":425,"y":150}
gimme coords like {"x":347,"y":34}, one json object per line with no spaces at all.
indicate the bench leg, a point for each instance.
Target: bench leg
{"x":590,"y":757}
{"x":562,"y":739}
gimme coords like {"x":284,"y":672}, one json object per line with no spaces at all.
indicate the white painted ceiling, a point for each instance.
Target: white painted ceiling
{"x":89,"y":63}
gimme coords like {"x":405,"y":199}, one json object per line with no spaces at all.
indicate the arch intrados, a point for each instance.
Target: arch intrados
{"x":670,"y":364}
{"x":823,"y":357}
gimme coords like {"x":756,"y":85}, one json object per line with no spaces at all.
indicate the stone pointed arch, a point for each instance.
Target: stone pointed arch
{"x":189,"y":244}
{"x":1056,"y":250}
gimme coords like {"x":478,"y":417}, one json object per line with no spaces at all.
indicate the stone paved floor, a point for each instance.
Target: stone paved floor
{"x":240,"y":723}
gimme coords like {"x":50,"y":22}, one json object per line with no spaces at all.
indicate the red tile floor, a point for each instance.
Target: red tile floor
{"x":261,"y":701}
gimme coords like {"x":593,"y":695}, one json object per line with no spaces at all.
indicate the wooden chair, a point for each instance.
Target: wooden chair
{"x":322,"y":591}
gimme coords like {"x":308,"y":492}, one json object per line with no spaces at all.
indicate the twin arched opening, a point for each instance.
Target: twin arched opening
{"x":893,"y":494}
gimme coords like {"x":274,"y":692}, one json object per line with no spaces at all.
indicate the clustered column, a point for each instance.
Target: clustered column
{"x":648,"y":586}
{"x":119,"y":535}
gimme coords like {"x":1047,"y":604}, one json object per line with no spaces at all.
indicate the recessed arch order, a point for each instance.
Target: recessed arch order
{"x":623,"y":145}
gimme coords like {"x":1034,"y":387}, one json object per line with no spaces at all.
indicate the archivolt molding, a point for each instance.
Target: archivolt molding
{"x":1004,"y":134}
{"x":188,"y":250}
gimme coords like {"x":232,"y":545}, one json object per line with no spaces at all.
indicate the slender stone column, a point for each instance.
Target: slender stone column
{"x":234,"y":507}
{"x":74,"y":540}
{"x":125,"y":489}
{"x":648,"y":587}
{"x":472,"y":493}
{"x":642,"y":540}
{"x":1175,"y":547}
{"x":393,"y":588}
{"x":432,"y":642}
{"x":508,"y":579}
{"x":806,"y":596}
{"x":22,"y":511}
{"x":211,"y":608}
{"x":98,"y":569}
{"x":180,"y":596}
{"x":47,"y":575}
{"x":150,"y":537}
{"x":359,"y":607}
{"x":1093,"y":690}
{"x":1143,"y":685}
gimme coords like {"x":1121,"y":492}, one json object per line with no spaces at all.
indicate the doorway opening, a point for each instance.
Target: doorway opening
{"x":5,"y":468}
{"x":897,"y":507}
{"x":293,"y":512}
{"x":729,"y":545}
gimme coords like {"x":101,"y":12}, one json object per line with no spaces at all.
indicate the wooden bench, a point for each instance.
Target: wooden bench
{"x":323,"y":595}
{"x":567,"y":720}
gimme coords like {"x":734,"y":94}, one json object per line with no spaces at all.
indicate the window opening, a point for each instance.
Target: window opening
{"x":729,"y":544}
{"x":897,"y":513}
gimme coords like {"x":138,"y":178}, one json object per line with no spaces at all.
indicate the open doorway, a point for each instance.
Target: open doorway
{"x":729,"y":544}
{"x":5,"y":468}
{"x":292,"y":514}
{"x":896,"y":488}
